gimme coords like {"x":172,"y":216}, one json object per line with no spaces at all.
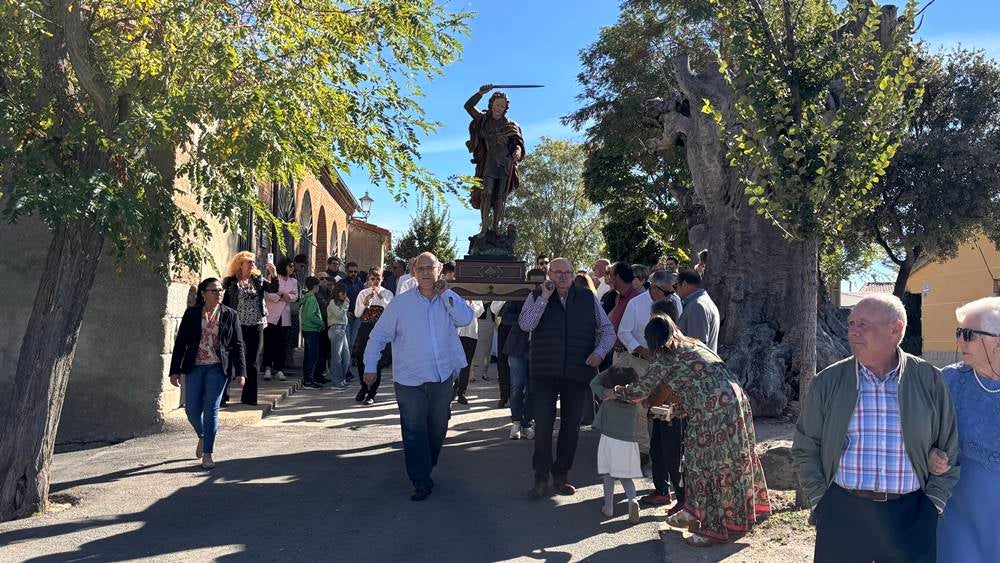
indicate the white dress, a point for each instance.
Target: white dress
{"x":618,"y":458}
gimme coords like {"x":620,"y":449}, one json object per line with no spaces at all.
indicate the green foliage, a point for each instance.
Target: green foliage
{"x":637,"y":240}
{"x":97,"y":100}
{"x":430,"y":231}
{"x":550,"y":208}
{"x":943,"y":188}
{"x":624,"y":67}
{"x":820,"y":109}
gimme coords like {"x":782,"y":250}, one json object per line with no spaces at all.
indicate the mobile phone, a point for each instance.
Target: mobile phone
{"x":270,"y":258}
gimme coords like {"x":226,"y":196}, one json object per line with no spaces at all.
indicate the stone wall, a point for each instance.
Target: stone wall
{"x":366,"y":247}
{"x":116,"y":385}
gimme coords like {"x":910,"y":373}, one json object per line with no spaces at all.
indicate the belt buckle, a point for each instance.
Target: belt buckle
{"x":875,"y":496}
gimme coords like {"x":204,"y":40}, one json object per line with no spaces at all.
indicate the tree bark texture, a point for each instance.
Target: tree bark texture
{"x":761,"y":281}
{"x":43,"y":367}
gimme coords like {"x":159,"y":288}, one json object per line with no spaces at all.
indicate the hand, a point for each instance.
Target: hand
{"x":644,"y":353}
{"x":175,"y":379}
{"x":594,"y":360}
{"x":287,"y":297}
{"x":547,"y":289}
{"x":271,"y":272}
{"x":485,"y":88}
{"x":609,"y":395}
{"x":938,"y":462}
{"x":369,"y":378}
{"x":440,"y":287}
{"x":242,"y":380}
{"x":518,"y":155}
{"x":368,"y":299}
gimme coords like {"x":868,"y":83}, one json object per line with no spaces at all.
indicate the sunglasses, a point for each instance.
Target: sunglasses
{"x":213,"y":290}
{"x":969,"y":334}
{"x":543,"y":262}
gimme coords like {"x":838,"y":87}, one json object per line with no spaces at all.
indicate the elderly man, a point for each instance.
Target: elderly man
{"x":600,"y":268}
{"x":862,"y":444}
{"x":426,"y":352}
{"x":570,"y":336}
{"x":700,"y":316}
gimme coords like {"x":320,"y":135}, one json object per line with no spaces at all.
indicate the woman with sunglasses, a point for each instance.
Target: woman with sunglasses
{"x":968,"y":528}
{"x":368,"y":307}
{"x":209,"y":342}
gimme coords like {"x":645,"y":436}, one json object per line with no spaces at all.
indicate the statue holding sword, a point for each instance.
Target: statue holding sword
{"x":497,"y":145}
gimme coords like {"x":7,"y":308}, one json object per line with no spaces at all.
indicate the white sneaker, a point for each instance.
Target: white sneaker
{"x":633,"y":511}
{"x":267,"y":374}
{"x":206,"y":461}
{"x":515,"y":431}
{"x":281,"y":376}
{"x":529,"y":433}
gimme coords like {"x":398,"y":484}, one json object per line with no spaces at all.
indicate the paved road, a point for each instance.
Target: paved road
{"x":322,"y":479}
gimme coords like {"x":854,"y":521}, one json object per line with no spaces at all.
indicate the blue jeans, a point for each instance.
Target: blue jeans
{"x":520,"y":393}
{"x":311,"y":356}
{"x":340,"y":354}
{"x":203,"y":389}
{"x":423,"y":414}
{"x":353,"y":326}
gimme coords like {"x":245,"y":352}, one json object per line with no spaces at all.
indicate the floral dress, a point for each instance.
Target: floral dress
{"x":724,"y":479}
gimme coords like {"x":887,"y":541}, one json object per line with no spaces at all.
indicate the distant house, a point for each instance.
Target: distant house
{"x":849,"y":299}
{"x":942,"y":287}
{"x":368,"y":244}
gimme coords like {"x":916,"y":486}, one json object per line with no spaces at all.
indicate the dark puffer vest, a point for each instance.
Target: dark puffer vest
{"x":563,"y":339}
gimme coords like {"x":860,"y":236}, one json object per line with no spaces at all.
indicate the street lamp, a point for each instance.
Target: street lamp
{"x":366,"y":205}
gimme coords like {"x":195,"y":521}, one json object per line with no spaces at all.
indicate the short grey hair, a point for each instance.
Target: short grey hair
{"x":986,"y":309}
{"x":663,"y":277}
{"x":640,"y":271}
{"x":890,"y":304}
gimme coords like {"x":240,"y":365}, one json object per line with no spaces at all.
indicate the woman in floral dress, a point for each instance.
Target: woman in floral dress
{"x":724,"y":479}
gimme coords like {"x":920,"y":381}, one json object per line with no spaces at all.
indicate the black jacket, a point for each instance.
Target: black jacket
{"x":564,"y":338}
{"x":189,"y":338}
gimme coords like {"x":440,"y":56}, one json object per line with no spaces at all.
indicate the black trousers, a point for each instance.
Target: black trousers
{"x":462,"y":383}
{"x":544,"y":394}
{"x":275,"y":342}
{"x":324,"y":356}
{"x":251,"y":347}
{"x":852,"y":529}
{"x":503,"y":368}
{"x":666,"y":448}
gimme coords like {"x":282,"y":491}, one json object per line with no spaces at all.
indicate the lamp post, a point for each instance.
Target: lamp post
{"x":366,"y":205}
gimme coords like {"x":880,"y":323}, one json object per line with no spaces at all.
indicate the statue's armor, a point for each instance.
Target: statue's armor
{"x":497,"y":148}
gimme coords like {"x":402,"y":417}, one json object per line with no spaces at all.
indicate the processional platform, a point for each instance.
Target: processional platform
{"x":491,"y":278}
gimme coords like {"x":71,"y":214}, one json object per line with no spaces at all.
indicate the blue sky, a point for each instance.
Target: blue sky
{"x":537,"y":42}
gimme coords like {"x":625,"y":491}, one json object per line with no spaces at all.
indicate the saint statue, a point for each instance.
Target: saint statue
{"x":496,"y":145}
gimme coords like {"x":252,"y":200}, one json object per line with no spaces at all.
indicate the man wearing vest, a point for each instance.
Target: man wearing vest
{"x":570,"y":336}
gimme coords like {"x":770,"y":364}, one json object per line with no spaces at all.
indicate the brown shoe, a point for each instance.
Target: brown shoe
{"x":540,"y":490}
{"x":564,"y":487}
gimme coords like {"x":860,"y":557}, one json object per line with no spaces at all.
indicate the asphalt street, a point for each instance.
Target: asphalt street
{"x":322,"y":479}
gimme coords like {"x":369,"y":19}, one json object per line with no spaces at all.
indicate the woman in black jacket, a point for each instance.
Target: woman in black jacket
{"x":244,"y":293}
{"x":209,"y":342}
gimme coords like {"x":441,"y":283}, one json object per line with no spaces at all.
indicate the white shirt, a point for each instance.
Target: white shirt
{"x":631,"y":331}
{"x":381,"y":297}
{"x":471,"y":330}
{"x":406,"y":283}
{"x":602,"y":289}
{"x":677,"y":301}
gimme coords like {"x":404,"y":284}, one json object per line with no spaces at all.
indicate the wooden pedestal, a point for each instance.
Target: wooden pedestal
{"x":490,"y":279}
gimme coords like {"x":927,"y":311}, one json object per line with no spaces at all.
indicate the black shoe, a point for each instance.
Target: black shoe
{"x":462,"y":400}
{"x":563,"y":487}
{"x":313,"y":385}
{"x":360,"y":397}
{"x":502,"y":404}
{"x":420,"y":493}
{"x":322,"y":380}
{"x":540,"y":490}
{"x":350,"y":377}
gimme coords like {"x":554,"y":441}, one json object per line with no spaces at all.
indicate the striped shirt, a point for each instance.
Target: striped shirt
{"x":874,"y":457}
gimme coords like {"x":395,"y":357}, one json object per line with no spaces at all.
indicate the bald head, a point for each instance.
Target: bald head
{"x":601,"y":266}
{"x":426,"y":268}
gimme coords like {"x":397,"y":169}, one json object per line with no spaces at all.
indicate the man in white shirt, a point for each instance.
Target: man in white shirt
{"x":406,"y":281}
{"x":600,"y":269}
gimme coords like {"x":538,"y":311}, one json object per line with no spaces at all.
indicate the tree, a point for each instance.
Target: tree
{"x":943,"y":188}
{"x":785,"y":137}
{"x":98,"y":98}
{"x":550,"y":208}
{"x":621,"y":70}
{"x":430,"y":231}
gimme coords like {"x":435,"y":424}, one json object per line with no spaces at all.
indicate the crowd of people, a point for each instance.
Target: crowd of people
{"x":632,"y":351}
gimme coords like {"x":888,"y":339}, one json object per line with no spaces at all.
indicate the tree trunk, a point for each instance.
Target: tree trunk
{"x":43,"y":367}
{"x":773,"y":331}
{"x":903,"y":276}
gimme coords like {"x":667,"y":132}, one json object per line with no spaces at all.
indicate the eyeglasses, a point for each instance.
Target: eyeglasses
{"x":969,"y":334}
{"x":352,"y":272}
{"x":425,"y":268}
{"x":560,"y":273}
{"x":543,"y":262}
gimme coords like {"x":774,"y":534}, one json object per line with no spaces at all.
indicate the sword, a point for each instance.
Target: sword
{"x":495,"y":86}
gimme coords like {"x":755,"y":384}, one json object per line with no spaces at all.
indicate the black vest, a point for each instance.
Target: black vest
{"x":563,"y":339}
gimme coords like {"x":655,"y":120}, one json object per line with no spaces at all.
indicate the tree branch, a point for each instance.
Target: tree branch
{"x":768,"y":35}
{"x":99,"y":92}
{"x":885,"y":245}
{"x":707,"y":84}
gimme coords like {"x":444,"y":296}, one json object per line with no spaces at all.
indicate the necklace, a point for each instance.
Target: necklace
{"x":980,"y":382}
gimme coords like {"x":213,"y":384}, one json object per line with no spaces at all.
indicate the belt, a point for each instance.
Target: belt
{"x":874,"y":495}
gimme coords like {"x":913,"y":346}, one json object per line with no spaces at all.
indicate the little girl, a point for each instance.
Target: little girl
{"x":618,"y":451}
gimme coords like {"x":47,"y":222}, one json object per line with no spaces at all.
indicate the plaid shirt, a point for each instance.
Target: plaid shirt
{"x":874,"y":458}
